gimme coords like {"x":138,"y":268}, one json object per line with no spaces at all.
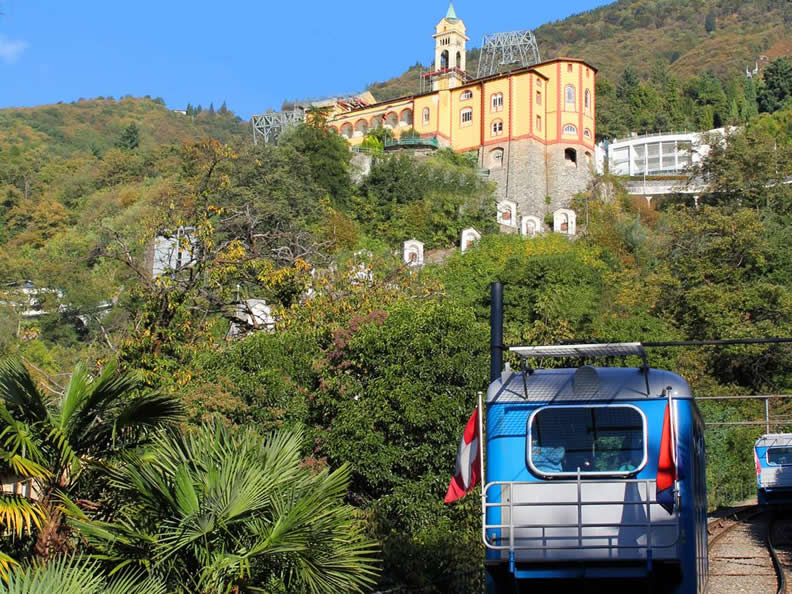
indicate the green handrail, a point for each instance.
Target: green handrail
{"x":430,"y":141}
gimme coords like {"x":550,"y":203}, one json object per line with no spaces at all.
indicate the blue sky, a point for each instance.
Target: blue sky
{"x":253,"y":55}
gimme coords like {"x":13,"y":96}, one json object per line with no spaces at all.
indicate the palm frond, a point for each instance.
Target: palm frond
{"x":216,"y":510}
{"x":74,"y":399}
{"x":6,"y":564}
{"x":18,"y":437}
{"x":19,"y":392}
{"x":77,"y":575}
{"x":18,"y":514}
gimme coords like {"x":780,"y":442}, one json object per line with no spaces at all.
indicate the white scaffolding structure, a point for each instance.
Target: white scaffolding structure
{"x":500,"y":51}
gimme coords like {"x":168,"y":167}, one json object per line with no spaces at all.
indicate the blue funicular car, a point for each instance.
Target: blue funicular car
{"x":773,"y":457}
{"x":592,"y":473}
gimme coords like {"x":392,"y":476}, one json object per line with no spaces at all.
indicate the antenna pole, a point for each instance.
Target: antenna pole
{"x":496,"y":330}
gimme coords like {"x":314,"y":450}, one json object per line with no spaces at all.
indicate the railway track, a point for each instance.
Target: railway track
{"x":750,"y":552}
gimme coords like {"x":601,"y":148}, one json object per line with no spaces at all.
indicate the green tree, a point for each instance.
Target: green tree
{"x":776,"y":85}
{"x":130,"y":138}
{"x":212,"y":511}
{"x":328,"y":155}
{"x":91,"y":421}
{"x":710,"y":23}
{"x":749,"y":167}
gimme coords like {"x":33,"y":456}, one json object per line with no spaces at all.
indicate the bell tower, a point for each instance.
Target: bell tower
{"x":450,"y":55}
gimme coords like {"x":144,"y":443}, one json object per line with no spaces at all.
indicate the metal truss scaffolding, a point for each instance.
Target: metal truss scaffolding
{"x":499,"y":50}
{"x":269,"y":126}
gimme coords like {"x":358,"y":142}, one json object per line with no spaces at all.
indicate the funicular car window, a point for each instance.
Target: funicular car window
{"x":779,"y":456}
{"x":602,"y":440}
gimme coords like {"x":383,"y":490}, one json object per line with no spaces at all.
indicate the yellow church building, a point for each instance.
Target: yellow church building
{"x":533,"y":127}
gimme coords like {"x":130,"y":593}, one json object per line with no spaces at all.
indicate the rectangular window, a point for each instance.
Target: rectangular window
{"x":569,"y":67}
{"x":600,"y":440}
{"x":638,"y":159}
{"x":652,"y":158}
{"x":538,"y":123}
{"x":538,"y":97}
{"x":497,"y":102}
{"x":620,"y":161}
{"x":779,"y":456}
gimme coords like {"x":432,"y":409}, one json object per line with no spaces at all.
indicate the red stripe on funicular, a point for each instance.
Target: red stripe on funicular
{"x":666,"y":470}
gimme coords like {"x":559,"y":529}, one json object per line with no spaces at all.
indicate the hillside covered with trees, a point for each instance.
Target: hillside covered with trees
{"x":138,"y":404}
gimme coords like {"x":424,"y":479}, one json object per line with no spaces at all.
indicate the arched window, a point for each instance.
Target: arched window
{"x":569,"y":94}
{"x":497,"y":102}
{"x":570,"y":157}
{"x":538,"y":123}
{"x":466,"y":116}
{"x":588,"y":100}
{"x":538,"y":82}
{"x":495,"y":160}
{"x":458,"y":60}
{"x":497,"y":127}
{"x":444,"y":60}
{"x":466,"y":95}
{"x":426,"y":116}
{"x":570,"y":130}
{"x":361,"y":128}
{"x":587,"y":133}
{"x":346,"y":130}
{"x":538,"y":97}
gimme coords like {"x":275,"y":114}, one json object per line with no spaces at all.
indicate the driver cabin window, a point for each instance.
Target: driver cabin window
{"x":592,"y":440}
{"x":779,"y":456}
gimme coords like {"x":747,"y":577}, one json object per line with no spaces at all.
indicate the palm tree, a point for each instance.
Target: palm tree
{"x":215,"y":511}
{"x":75,"y":575}
{"x":18,"y":468}
{"x":50,"y":440}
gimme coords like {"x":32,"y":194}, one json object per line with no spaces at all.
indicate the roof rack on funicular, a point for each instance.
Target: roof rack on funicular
{"x":580,"y":351}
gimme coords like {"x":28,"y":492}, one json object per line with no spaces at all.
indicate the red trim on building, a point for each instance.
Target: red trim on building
{"x":482,"y":135}
{"x":593,"y":107}
{"x":560,"y":84}
{"x":511,"y":104}
{"x":531,"y":99}
{"x":582,"y":104}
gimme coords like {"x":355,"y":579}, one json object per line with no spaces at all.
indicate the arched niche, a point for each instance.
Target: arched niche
{"x":413,"y":252}
{"x":507,"y":213}
{"x":564,"y":221}
{"x":530,"y":226}
{"x":469,"y":237}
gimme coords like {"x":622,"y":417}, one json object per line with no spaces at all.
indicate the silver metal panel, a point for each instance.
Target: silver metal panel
{"x":582,"y":520}
{"x":557,"y":385}
{"x":774,"y":477}
{"x":617,"y":349}
{"x":774,"y":440}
